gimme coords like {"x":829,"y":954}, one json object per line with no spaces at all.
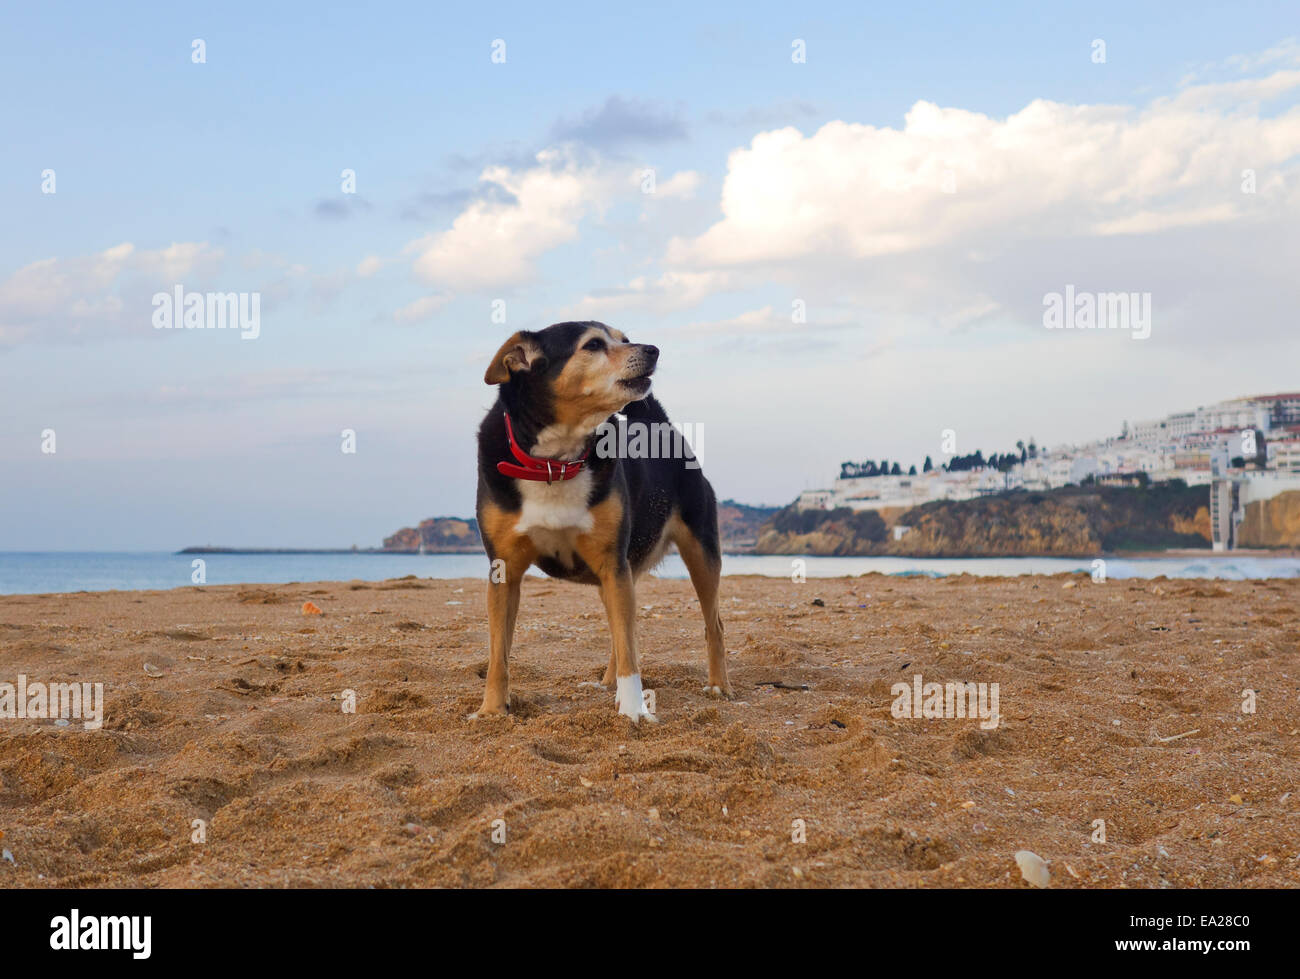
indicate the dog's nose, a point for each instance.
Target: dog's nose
{"x":650,"y":352}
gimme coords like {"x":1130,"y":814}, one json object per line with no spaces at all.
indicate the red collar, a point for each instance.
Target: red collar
{"x":538,"y":470}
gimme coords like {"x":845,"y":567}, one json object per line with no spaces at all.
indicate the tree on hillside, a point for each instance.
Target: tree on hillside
{"x":928,"y":465}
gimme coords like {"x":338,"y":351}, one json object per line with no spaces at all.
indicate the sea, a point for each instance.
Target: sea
{"x":69,"y":571}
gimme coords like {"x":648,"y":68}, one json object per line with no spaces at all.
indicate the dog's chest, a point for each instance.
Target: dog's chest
{"x":554,"y":514}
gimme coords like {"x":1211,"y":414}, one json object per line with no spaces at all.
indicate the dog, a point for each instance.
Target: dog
{"x":550,"y":496}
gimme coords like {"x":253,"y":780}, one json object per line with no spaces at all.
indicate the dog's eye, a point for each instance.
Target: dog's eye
{"x":594,"y":344}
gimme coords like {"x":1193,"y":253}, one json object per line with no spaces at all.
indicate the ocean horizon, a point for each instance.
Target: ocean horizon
{"x":46,"y":572}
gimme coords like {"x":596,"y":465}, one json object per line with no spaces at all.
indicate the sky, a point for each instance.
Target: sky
{"x":838,"y":222}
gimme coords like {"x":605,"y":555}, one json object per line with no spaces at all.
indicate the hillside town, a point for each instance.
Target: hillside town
{"x":1243,"y":451}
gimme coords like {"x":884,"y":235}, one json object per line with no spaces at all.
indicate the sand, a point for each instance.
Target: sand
{"x":1100,"y":685}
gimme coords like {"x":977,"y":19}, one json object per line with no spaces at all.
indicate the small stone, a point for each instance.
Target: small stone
{"x":9,"y":857}
{"x":151,"y":670}
{"x":1236,"y":799}
{"x":1033,"y":868}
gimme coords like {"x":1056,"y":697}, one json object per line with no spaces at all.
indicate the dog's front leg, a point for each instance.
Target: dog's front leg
{"x":619,"y":595}
{"x":503,"y":606}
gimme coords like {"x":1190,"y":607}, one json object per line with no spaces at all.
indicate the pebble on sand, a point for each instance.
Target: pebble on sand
{"x":1033,"y":868}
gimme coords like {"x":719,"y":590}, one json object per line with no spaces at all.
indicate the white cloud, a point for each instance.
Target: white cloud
{"x":495,"y":242}
{"x":682,"y":185}
{"x":665,"y":293}
{"x":420,"y":309}
{"x":853,"y":191}
{"x":89,"y":295}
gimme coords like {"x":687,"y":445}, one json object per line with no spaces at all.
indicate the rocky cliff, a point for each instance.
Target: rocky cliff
{"x":445,"y":534}
{"x":1272,"y":523}
{"x":738,"y":523}
{"x":1073,"y":521}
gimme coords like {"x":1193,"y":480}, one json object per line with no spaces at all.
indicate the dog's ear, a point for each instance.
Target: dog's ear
{"x":519,"y":353}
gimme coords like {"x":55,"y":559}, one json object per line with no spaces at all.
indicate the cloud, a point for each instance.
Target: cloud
{"x":495,"y":241}
{"x":681,"y":185}
{"x":420,"y":309}
{"x":105,"y":293}
{"x":852,"y":191}
{"x":619,"y":122}
{"x":669,"y":292}
{"x":426,"y":206}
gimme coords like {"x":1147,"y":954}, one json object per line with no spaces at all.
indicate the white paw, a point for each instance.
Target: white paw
{"x":636,"y":717}
{"x":630,"y":701}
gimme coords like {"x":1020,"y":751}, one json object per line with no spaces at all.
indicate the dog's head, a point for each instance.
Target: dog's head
{"x":575,"y":372}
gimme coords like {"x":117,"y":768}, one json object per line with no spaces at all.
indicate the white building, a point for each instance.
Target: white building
{"x":1194,"y":446}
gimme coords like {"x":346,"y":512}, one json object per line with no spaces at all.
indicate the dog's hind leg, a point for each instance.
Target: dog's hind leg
{"x":703,"y":560}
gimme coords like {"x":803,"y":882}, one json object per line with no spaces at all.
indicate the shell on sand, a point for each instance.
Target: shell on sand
{"x":1033,"y":868}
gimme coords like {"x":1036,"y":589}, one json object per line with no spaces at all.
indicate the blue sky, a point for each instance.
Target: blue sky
{"x":519,"y":182}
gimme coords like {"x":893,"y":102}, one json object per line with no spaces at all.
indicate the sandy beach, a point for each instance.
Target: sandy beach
{"x":1120,"y":702}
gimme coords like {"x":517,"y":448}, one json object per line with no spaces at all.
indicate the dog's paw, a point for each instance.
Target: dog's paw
{"x":630,"y":701}
{"x":716,"y":692}
{"x":485,"y":711}
{"x":636,"y":717}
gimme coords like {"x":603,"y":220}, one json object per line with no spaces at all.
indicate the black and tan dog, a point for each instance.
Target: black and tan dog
{"x":549,"y":495}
